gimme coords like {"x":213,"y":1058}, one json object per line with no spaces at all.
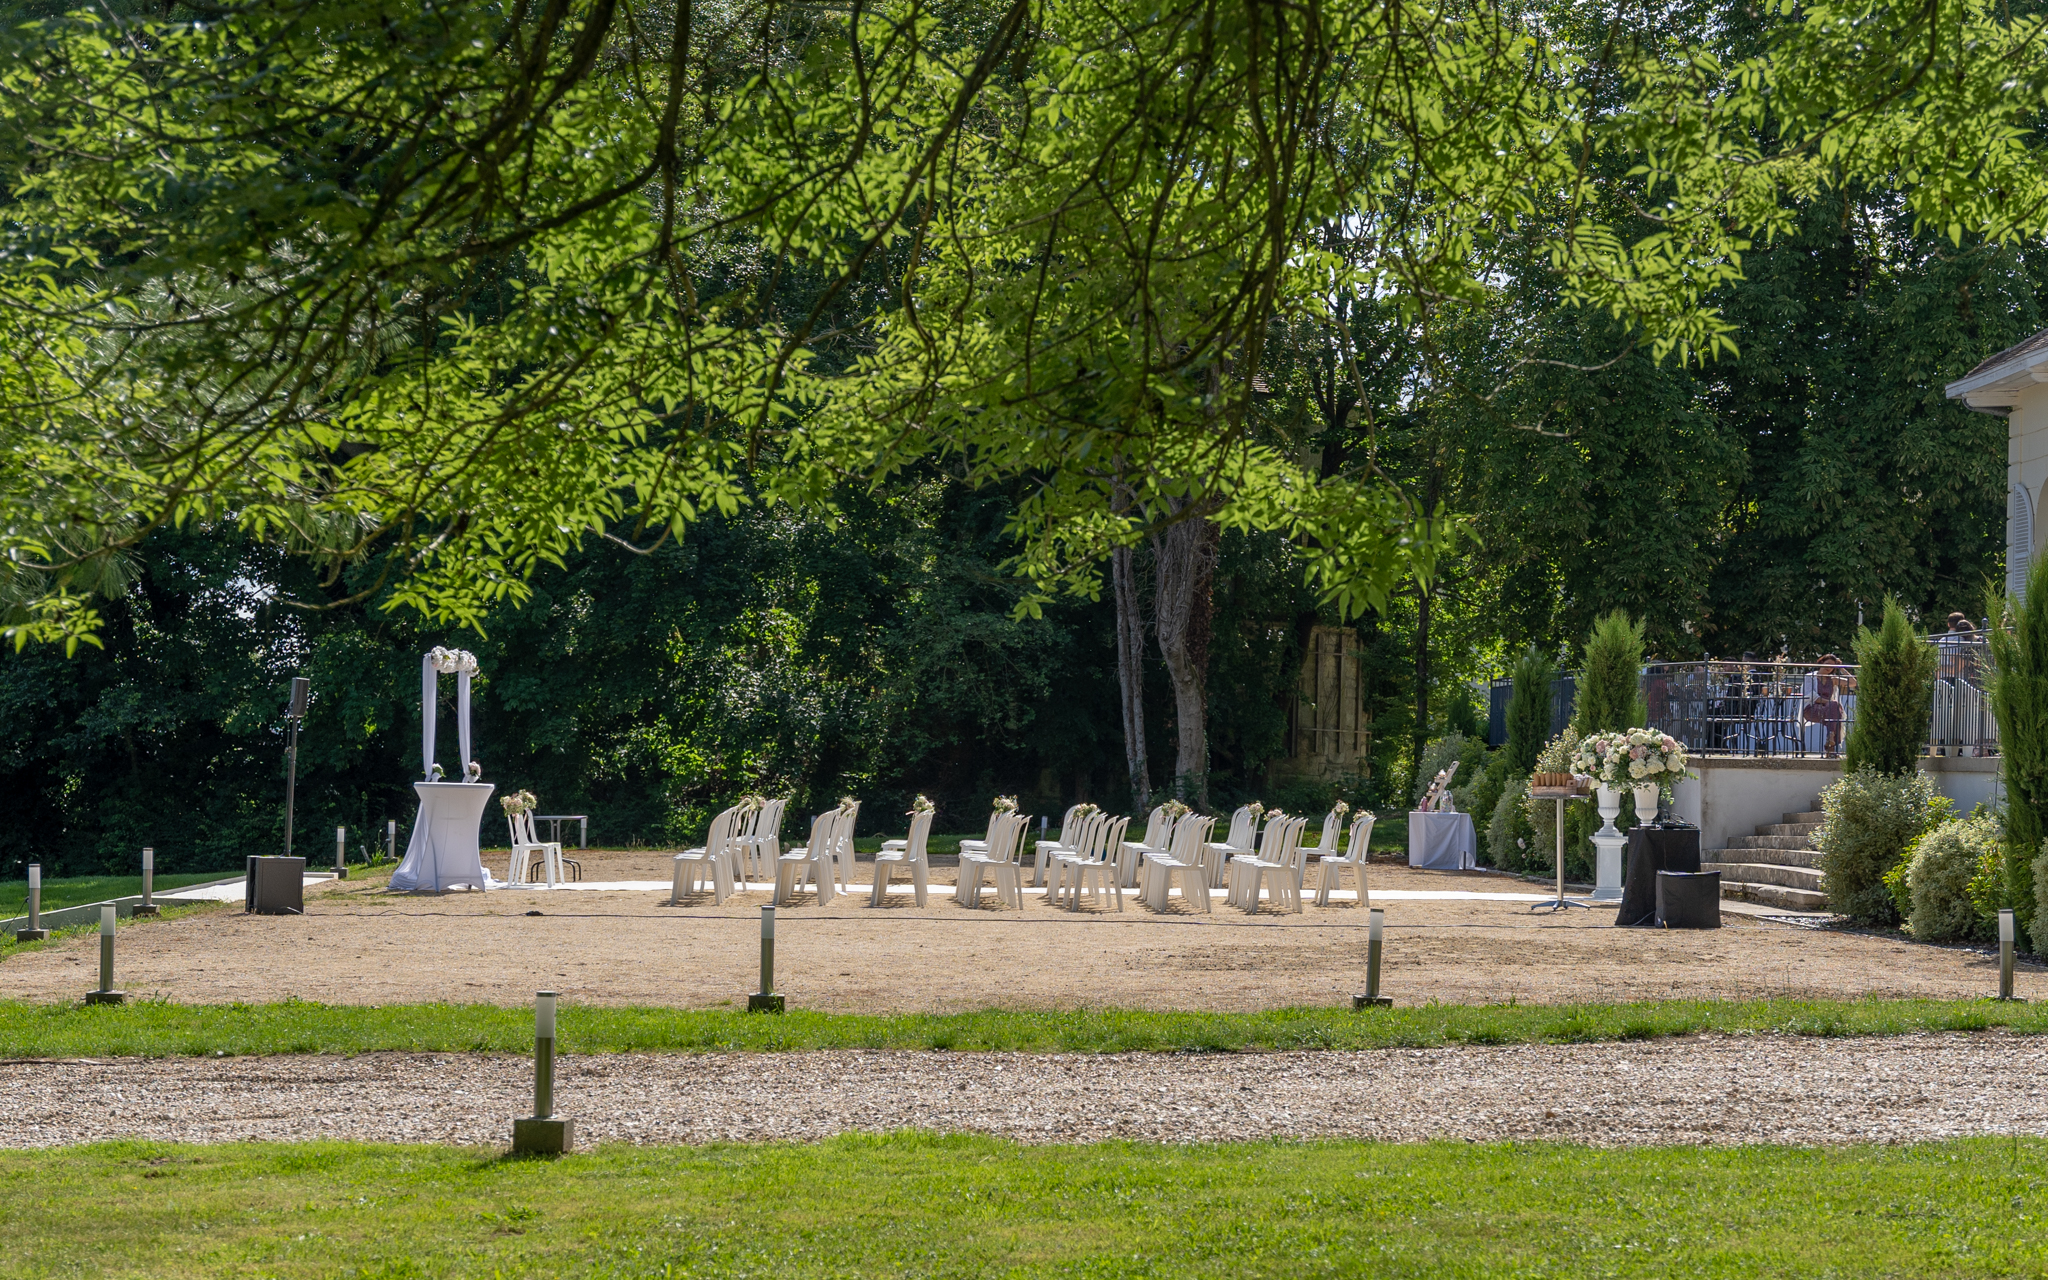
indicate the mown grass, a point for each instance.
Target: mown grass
{"x":963,"y":1206}
{"x":158,"y":1029}
{"x":76,"y":891}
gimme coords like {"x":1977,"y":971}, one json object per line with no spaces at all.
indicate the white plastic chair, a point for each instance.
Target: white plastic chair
{"x":761,"y":846}
{"x":983,"y":845}
{"x":1085,"y":840}
{"x":1132,"y":853}
{"x":812,"y":862}
{"x":999,"y":865}
{"x":909,"y":854}
{"x":1183,"y":858}
{"x":1244,"y":829}
{"x":714,"y":860}
{"x":1331,"y":874}
{"x":525,"y":848}
{"x":842,"y":846}
{"x":1097,"y":865}
{"x":1277,"y":863}
{"x":1326,"y":842}
{"x":1044,"y":851}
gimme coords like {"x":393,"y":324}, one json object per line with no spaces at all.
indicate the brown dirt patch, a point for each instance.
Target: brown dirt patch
{"x":363,"y":945}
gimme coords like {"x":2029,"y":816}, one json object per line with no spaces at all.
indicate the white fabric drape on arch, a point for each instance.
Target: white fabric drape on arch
{"x":445,"y":849}
{"x":430,"y":695}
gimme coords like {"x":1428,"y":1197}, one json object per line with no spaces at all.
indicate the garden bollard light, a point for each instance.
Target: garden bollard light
{"x":391,"y":839}
{"x":1372,"y":999}
{"x":545,"y":1133}
{"x":106,"y":994}
{"x":35,"y":931}
{"x":2005,"y":941}
{"x":341,"y":853}
{"x":148,"y":907}
{"x":766,"y":1000}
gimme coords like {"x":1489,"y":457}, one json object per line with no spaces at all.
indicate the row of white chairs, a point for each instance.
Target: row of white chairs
{"x":1089,"y":857}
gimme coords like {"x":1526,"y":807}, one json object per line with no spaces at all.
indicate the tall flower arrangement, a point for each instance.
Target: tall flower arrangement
{"x":1630,"y":758}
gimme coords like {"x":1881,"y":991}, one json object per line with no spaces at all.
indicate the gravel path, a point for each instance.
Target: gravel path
{"x":1713,"y":1089}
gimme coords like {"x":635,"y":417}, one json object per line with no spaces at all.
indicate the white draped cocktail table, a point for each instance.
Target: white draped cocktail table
{"x":445,"y":851}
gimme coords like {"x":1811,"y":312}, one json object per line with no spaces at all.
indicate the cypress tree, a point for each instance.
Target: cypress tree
{"x":1529,"y":709}
{"x":2019,"y":700}
{"x":1610,"y":696}
{"x":1894,"y":696}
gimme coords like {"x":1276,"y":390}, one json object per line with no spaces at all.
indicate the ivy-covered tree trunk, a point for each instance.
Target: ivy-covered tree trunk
{"x":1184,"y":568}
{"x":1130,"y":672}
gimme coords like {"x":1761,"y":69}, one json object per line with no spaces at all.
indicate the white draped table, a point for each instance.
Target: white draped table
{"x":1442,"y":841}
{"x":445,"y":852}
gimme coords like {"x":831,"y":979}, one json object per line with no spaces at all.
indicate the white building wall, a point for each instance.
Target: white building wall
{"x":1733,"y":797}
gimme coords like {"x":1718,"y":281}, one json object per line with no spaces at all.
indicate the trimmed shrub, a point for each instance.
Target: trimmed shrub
{"x":1870,"y":820}
{"x":1610,"y":691}
{"x":1509,"y":838}
{"x":1436,"y":757}
{"x":1529,"y":709}
{"x":1894,"y":696}
{"x":1944,"y":863}
{"x":2019,"y":702}
{"x":1481,"y":799}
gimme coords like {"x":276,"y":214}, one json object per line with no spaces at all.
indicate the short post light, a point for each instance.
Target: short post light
{"x":106,"y":994}
{"x":544,"y":1133}
{"x":391,"y":839}
{"x":1372,"y":999}
{"x":148,"y":907}
{"x":766,"y":1000}
{"x":2005,"y":947}
{"x":35,"y":931}
{"x":341,"y":853}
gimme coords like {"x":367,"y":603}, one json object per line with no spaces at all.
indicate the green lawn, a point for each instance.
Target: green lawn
{"x":161,"y":1029}
{"x":75,"y":891}
{"x":918,"y":1205}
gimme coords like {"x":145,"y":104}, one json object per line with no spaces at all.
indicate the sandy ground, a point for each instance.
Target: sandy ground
{"x":1710,"y":1089}
{"x":358,"y":943}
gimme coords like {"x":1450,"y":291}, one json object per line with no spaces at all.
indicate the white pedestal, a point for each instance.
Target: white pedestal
{"x":445,"y":850}
{"x":1607,"y":867}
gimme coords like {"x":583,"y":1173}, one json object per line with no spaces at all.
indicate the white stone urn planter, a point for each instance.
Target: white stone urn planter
{"x":1607,"y":846}
{"x":1646,"y":803}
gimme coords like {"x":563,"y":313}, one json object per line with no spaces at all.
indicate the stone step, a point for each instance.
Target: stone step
{"x":1774,"y":895}
{"x":1801,"y":829}
{"x":1767,"y":873}
{"x":1765,"y":857}
{"x":1769,"y":842}
{"x":1816,"y":817}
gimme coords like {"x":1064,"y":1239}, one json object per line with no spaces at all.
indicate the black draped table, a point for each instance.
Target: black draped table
{"x":1650,"y":850}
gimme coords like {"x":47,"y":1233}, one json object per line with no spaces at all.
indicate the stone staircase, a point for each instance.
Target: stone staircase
{"x":1777,"y":866}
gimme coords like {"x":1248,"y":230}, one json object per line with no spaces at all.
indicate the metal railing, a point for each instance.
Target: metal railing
{"x":1749,"y":708}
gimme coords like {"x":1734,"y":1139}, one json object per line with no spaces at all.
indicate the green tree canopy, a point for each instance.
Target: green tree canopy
{"x":449,"y":290}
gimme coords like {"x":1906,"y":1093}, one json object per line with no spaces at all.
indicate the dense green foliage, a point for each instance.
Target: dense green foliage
{"x":957,"y":1206}
{"x":1610,"y":688}
{"x":156,"y":1029}
{"x":2019,"y":700}
{"x":1529,"y":709}
{"x":1945,"y":863}
{"x":1869,"y":823}
{"x":1894,"y":696}
{"x":794,"y":332}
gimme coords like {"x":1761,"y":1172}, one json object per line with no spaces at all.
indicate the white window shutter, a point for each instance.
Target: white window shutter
{"x":2019,"y":541}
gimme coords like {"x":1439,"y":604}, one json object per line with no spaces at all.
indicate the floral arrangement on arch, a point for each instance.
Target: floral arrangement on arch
{"x":1005,"y":804}
{"x":1630,"y":759}
{"x":453,"y":661}
{"x":517,"y":803}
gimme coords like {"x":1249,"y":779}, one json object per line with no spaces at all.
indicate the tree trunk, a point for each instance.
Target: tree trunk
{"x":1184,"y":567}
{"x":1421,"y":674}
{"x":1130,"y":672}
